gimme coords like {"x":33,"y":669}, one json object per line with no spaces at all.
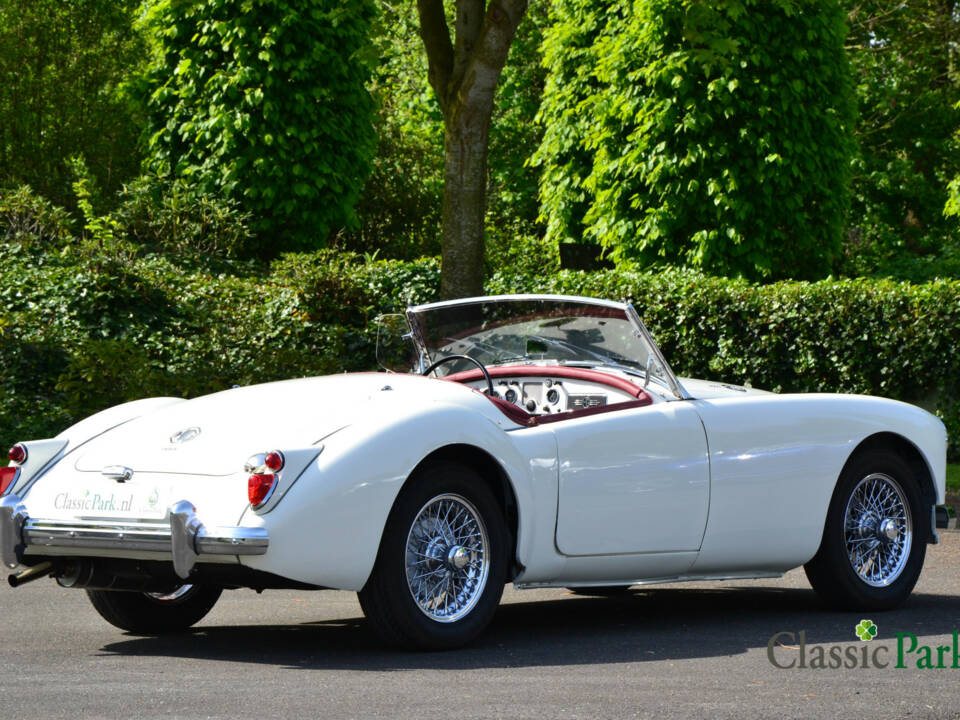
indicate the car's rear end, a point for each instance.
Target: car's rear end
{"x":174,"y":495}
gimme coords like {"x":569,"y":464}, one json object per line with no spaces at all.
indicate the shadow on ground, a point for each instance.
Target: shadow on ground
{"x":643,"y":625}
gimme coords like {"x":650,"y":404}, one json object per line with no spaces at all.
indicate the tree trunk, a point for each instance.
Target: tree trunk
{"x":464,"y":204}
{"x":464,"y":77}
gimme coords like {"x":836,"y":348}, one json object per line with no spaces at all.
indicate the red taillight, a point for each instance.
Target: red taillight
{"x":274,"y":461}
{"x":7,"y":476}
{"x":17,"y":454}
{"x":259,"y":487}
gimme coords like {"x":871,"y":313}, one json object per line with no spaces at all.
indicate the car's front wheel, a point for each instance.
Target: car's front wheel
{"x":442,"y":562}
{"x":874,"y":539}
{"x":155,"y":613}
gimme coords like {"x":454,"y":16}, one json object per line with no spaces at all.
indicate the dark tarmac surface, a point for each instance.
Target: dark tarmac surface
{"x":663,"y":651}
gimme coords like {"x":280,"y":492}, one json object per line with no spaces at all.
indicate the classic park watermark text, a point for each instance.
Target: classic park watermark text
{"x":788,"y":651}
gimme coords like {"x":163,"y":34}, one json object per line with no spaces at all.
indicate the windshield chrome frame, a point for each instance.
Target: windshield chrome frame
{"x":671,"y":378}
{"x":631,"y":314}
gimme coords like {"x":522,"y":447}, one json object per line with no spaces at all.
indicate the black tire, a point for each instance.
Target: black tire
{"x":601,"y":590}
{"x":831,"y":571}
{"x":150,"y":615}
{"x":387,"y":599}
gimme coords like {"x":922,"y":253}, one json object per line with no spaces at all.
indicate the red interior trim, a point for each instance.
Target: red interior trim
{"x":514,"y":412}
{"x":570,"y":414}
{"x":522,"y":417}
{"x":551,"y":371}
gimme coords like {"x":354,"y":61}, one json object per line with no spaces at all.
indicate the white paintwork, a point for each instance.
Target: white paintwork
{"x":633,"y":481}
{"x":774,"y":462}
{"x":39,"y":455}
{"x":730,"y":483}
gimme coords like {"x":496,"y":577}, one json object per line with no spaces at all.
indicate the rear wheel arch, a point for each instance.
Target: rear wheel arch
{"x":443,"y":586}
{"x":496,"y":479}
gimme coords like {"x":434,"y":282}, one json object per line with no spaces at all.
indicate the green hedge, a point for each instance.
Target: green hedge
{"x":80,"y":332}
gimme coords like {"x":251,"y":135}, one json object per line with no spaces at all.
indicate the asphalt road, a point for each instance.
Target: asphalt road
{"x":678,"y":650}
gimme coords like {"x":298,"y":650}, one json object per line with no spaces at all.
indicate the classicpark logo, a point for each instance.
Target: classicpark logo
{"x":93,"y":502}
{"x":788,"y":651}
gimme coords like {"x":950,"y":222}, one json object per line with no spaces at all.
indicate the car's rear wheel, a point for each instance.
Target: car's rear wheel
{"x":874,"y":539}
{"x":155,"y":613}
{"x":442,"y":562}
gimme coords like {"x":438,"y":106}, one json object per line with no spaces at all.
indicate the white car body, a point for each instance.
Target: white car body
{"x":716,"y":482}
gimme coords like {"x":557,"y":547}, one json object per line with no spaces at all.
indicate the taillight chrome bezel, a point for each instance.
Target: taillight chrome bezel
{"x":262,"y":468}
{"x":263,"y":463}
{"x":18,"y":454}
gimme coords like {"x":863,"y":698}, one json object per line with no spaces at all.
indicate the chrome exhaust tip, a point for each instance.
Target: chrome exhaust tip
{"x":30,"y":574}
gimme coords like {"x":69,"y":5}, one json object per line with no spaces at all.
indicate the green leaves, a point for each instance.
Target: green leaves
{"x":69,"y":76}
{"x":265,"y":104}
{"x":696,"y":133}
{"x":82,"y":330}
{"x":903,"y":57}
{"x":867,"y":336}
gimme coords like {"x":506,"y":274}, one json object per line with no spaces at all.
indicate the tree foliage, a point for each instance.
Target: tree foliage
{"x":514,"y":133}
{"x":400,"y":206}
{"x":63,"y":71}
{"x":265,"y":102}
{"x":401,"y":203}
{"x":903,"y":57}
{"x":711,"y":133}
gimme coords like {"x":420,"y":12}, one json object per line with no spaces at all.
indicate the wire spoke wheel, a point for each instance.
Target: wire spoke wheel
{"x":878,"y":530}
{"x":447,"y":558}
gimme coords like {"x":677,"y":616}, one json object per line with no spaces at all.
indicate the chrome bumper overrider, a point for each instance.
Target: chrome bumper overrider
{"x":184,"y":538}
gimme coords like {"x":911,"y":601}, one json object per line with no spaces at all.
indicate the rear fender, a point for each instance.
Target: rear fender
{"x":326,"y":530}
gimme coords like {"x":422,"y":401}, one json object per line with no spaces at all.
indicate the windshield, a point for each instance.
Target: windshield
{"x":500,"y":331}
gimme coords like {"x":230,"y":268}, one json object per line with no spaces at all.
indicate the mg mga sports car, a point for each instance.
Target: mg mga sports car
{"x":542,"y":440}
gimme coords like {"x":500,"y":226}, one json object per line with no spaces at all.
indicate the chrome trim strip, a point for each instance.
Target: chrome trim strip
{"x":185,"y":538}
{"x":649,"y":581}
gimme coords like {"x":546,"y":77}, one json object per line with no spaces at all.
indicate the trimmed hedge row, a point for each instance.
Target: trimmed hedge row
{"x":80,"y":333}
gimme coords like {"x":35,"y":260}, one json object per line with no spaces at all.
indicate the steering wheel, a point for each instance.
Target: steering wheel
{"x":476,"y":362}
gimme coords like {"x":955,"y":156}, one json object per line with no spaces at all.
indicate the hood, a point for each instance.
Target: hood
{"x":215,"y":434}
{"x":711,"y":389}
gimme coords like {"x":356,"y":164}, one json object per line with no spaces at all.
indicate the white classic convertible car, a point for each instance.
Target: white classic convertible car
{"x":543,"y":440}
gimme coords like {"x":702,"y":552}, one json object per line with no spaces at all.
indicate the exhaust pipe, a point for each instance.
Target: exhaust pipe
{"x":92,"y":575}
{"x":35,"y":573}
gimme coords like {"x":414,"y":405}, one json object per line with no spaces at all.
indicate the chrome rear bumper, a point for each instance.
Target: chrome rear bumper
{"x":185,"y":538}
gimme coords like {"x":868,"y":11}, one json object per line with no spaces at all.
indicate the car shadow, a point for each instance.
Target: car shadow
{"x":643,"y":625}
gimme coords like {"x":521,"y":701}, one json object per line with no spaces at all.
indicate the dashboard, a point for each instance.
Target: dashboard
{"x":546,"y":395}
{"x":552,"y":390}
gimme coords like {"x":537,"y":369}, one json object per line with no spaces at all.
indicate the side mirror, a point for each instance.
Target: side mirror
{"x":395,"y":350}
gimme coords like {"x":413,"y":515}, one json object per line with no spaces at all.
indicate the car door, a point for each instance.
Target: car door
{"x":633,"y":481}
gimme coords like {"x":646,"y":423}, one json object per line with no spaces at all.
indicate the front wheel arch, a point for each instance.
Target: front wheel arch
{"x":911,"y":455}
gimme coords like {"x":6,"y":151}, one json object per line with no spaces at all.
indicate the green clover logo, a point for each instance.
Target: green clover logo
{"x":866,"y":630}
